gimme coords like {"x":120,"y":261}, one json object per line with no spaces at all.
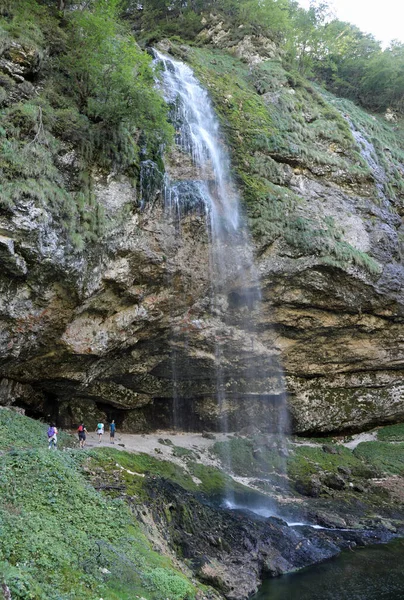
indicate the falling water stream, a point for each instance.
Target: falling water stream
{"x":369,"y":154}
{"x":211,"y":192}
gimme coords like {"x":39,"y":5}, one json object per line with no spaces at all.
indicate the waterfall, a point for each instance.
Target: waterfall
{"x":197,"y":134}
{"x":210,"y":192}
{"x":370,"y":156}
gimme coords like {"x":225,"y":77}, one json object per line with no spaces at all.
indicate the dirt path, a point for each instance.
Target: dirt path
{"x":163,"y":445}
{"x":149,"y":443}
{"x":371,"y":436}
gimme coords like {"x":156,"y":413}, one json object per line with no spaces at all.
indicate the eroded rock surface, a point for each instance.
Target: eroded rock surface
{"x":100,"y":334}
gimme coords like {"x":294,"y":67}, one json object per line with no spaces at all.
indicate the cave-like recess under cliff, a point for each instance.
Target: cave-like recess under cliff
{"x":94,"y":334}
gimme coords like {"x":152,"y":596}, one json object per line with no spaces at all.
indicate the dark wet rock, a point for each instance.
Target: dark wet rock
{"x":345,"y":471}
{"x":9,"y":259}
{"x":358,"y":487}
{"x":329,"y":449}
{"x":12,"y":392}
{"x":165,"y":442}
{"x":208,"y":436}
{"x":232,"y":551}
{"x":334,"y":481}
{"x":389,"y":526}
{"x":329,"y":520}
{"x":311,"y":487}
{"x":250,"y":430}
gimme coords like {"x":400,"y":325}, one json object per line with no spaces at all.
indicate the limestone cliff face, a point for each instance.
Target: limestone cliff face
{"x":99,"y":334}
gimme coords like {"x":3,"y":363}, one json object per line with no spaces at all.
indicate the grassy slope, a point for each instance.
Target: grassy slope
{"x":58,"y":532}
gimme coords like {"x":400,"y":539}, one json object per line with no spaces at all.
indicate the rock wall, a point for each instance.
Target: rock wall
{"x":97,"y":335}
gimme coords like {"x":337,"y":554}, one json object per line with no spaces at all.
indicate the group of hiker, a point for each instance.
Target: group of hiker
{"x":82,"y":433}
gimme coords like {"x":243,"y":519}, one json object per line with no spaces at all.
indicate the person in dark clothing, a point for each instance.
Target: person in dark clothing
{"x":112,"y":430}
{"x":82,"y":431}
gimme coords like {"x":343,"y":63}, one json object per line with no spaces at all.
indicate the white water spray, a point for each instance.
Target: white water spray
{"x":212,"y":193}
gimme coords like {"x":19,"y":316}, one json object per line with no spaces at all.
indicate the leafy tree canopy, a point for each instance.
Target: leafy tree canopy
{"x":316,"y":44}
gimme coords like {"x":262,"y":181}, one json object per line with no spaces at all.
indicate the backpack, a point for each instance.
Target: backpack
{"x":81,"y":428}
{"x":51,"y":432}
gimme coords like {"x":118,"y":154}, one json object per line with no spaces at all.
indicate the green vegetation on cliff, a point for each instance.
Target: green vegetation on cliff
{"x":84,"y":104}
{"x":388,"y":143}
{"x":76,"y":93}
{"x":278,"y":124}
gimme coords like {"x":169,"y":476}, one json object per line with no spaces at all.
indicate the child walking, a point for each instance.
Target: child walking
{"x":100,"y":431}
{"x":52,"y":437}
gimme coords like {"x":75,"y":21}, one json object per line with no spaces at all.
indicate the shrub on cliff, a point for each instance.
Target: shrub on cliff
{"x":112,"y":83}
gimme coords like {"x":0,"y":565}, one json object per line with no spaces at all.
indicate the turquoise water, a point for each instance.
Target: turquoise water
{"x":372,"y":573}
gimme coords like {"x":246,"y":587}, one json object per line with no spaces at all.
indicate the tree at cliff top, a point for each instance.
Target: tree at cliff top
{"x":338,"y":54}
{"x":349,"y":62}
{"x":113,"y":84}
{"x":383,"y":82}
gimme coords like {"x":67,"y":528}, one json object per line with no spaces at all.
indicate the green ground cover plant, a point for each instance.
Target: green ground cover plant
{"x":385,"y":457}
{"x":212,"y":481}
{"x":62,"y":539}
{"x":391,"y":433}
{"x":19,"y":432}
{"x":109,"y":460}
{"x":305,"y":461}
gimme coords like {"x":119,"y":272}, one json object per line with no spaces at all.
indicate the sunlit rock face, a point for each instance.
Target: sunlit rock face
{"x":99,"y":334}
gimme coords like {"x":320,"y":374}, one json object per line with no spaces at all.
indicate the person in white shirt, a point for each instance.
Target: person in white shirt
{"x":100,"y":431}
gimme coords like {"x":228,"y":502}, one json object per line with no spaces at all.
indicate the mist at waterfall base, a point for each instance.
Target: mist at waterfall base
{"x":209,"y":193}
{"x":371,"y":573}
